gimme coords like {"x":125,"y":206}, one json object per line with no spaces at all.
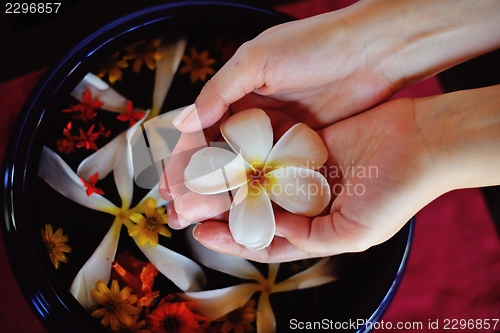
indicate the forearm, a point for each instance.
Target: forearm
{"x":462,"y":133}
{"x":409,"y":40}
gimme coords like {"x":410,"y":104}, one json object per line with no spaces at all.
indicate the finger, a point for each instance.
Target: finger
{"x":241,"y":75}
{"x":196,"y":207}
{"x":172,"y":180}
{"x":176,"y":221}
{"x":217,"y":236}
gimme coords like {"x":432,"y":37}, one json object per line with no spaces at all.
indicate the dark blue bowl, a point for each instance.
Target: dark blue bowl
{"x":366,"y":286}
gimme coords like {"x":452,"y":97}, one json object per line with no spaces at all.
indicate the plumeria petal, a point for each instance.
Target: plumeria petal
{"x":266,"y":321}
{"x":182,"y":271}
{"x":250,"y":133}
{"x":103,"y":160}
{"x":98,"y":267}
{"x":101,"y":91}
{"x":301,"y":147}
{"x":216,"y":303}
{"x":124,"y":175}
{"x":166,"y":67}
{"x":251,"y":221}
{"x":299,"y":190}
{"x":225,"y":263}
{"x":320,"y":273}
{"x":55,"y":172}
{"x":214,"y":170}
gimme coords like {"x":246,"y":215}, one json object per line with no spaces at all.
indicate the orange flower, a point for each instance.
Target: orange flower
{"x":240,"y":320}
{"x":198,"y":65}
{"x":176,"y":318}
{"x":113,"y":68}
{"x":117,"y":309}
{"x":144,"y":52}
{"x":55,"y":243}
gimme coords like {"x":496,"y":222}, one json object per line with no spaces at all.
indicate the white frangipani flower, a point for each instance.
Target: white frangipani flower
{"x":260,"y":172}
{"x":217,"y":303}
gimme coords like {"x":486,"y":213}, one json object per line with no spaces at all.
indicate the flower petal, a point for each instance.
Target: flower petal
{"x":301,"y":147}
{"x":214,"y":170}
{"x":103,"y":160}
{"x":251,"y":221}
{"x":320,"y":273}
{"x":299,"y":190}
{"x":216,"y":303}
{"x":266,"y":321}
{"x":98,"y":267}
{"x":166,"y":67}
{"x":225,"y":263}
{"x":153,"y":193}
{"x":55,"y":172}
{"x":100,"y":90}
{"x":182,"y":271}
{"x":250,"y":133}
{"x":123,"y":174}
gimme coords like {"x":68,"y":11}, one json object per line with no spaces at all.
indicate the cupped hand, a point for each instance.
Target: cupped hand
{"x":323,"y":64}
{"x":380,"y":172}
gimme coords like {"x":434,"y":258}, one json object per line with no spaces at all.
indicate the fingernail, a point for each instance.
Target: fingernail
{"x":185,"y":114}
{"x":194,"y":231}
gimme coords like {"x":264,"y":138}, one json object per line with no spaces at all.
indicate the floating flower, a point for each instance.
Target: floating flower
{"x":284,"y":174}
{"x":144,"y":52}
{"x":56,"y":246}
{"x":117,"y":305}
{"x":87,"y":109}
{"x":130,"y":115}
{"x":240,"y":320}
{"x":90,"y":187}
{"x":113,"y":67}
{"x":198,"y":65}
{"x":67,"y":143}
{"x":218,"y":303}
{"x":147,"y":228}
{"x":176,"y":317}
{"x":87,"y":139}
{"x":136,"y":326}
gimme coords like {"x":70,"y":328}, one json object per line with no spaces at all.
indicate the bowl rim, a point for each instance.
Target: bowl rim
{"x":21,"y":160}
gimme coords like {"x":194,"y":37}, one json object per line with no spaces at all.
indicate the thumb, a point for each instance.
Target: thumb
{"x":241,"y":75}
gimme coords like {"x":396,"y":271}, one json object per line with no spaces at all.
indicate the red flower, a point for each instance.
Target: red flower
{"x":87,"y":140}
{"x":66,"y":144}
{"x":90,"y":185}
{"x":131,"y":116}
{"x":86,"y":109}
{"x":176,"y":318}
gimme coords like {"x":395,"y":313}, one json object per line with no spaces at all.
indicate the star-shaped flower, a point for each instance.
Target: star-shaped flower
{"x":87,"y":109}
{"x":130,"y":115}
{"x":90,"y":187}
{"x":260,"y":172}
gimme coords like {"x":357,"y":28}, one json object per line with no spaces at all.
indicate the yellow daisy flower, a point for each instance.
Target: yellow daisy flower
{"x":148,"y":227}
{"x":144,"y":52}
{"x":198,"y":65}
{"x":240,"y":320}
{"x":55,"y":243}
{"x":117,"y":309}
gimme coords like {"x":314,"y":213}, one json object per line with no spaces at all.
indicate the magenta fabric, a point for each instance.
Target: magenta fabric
{"x":454,"y":266}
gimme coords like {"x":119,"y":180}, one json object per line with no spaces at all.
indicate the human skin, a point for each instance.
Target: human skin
{"x":358,"y":58}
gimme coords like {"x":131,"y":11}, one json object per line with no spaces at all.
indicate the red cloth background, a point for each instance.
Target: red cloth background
{"x":453,"y":269}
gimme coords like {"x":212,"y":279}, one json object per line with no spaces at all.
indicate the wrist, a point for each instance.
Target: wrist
{"x":462,"y":133}
{"x":407,"y":40}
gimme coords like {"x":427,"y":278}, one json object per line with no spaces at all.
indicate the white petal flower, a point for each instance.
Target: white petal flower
{"x":284,"y":174}
{"x":217,"y":303}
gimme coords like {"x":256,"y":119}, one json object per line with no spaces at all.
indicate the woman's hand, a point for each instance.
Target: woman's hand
{"x":385,"y":165}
